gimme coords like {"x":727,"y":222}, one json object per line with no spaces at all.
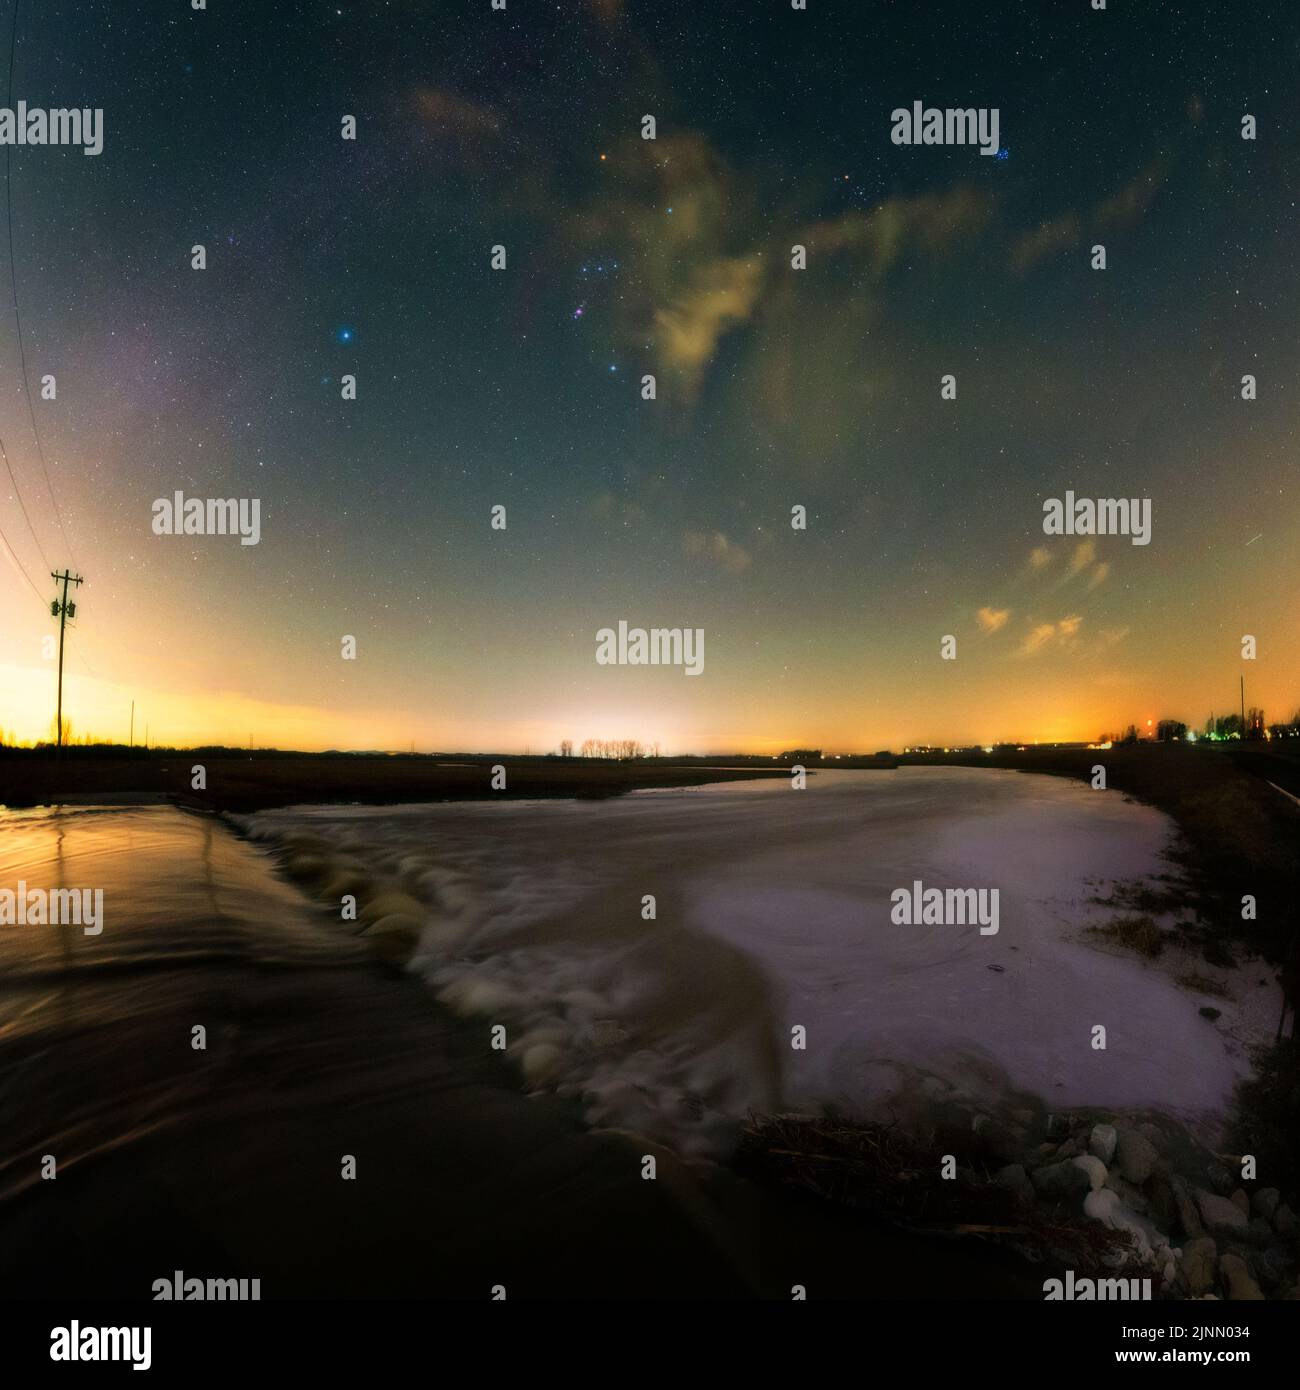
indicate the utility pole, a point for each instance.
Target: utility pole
{"x":132,"y":743}
{"x":62,"y":611}
{"x":1243,"y":709}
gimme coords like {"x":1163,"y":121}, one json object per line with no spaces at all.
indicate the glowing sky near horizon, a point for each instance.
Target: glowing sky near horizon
{"x":775,"y":387}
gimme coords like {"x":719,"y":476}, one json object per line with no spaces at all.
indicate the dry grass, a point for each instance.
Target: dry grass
{"x":1202,"y":984}
{"x":1138,"y":934}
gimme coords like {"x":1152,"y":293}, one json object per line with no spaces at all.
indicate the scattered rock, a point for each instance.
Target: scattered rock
{"x":1102,"y":1205}
{"x":1101,"y":1142}
{"x":1200,"y":1258}
{"x":1241,"y":1287}
{"x":1115,"y":1256}
{"x":1264,"y":1202}
{"x":1127,"y":1193}
{"x":1271,"y":1266}
{"x":1064,"y":1179}
{"x":1106,"y":1207}
{"x":1015,"y":1179}
{"x":1095,"y":1169}
{"x":1220,"y":1179}
{"x":1229,"y":1238}
{"x":1188,"y":1217}
{"x":1164,"y":1210}
{"x":1000,"y":1141}
{"x":1219,"y":1214}
{"x":1136,"y":1155}
{"x":1261,"y":1233}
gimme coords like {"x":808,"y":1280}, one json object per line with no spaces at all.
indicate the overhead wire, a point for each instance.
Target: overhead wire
{"x":18,"y":322}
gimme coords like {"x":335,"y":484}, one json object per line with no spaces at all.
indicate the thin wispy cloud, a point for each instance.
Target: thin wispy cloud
{"x":1084,"y":554}
{"x":1048,"y":636}
{"x":1066,"y":231}
{"x":727,"y":554}
{"x":720,"y":296}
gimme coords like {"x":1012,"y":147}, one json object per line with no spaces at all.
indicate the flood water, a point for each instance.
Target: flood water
{"x":530,"y":928}
{"x":772,"y":911}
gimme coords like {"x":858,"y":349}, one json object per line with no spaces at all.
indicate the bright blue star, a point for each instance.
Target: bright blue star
{"x":344,"y":335}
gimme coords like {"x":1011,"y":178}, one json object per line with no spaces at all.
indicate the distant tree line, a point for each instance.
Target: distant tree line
{"x":618,"y":749}
{"x":1218,"y":728}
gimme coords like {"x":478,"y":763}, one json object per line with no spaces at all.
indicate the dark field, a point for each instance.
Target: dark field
{"x":243,"y":782}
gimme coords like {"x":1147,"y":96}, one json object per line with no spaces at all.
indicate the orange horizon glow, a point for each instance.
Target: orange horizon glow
{"x":100,"y":711}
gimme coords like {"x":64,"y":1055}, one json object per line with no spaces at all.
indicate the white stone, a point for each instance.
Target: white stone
{"x":1095,"y":1169}
{"x":1102,"y":1141}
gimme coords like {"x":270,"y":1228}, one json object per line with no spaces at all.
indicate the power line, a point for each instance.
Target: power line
{"x":18,"y":492}
{"x":13,"y":555}
{"x":90,"y":670}
{"x":23,"y":505}
{"x":18,"y":322}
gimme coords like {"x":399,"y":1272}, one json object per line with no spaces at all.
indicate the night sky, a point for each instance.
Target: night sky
{"x":776,"y":387}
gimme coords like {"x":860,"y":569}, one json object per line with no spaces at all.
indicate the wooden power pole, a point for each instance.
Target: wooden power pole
{"x":62,"y":611}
